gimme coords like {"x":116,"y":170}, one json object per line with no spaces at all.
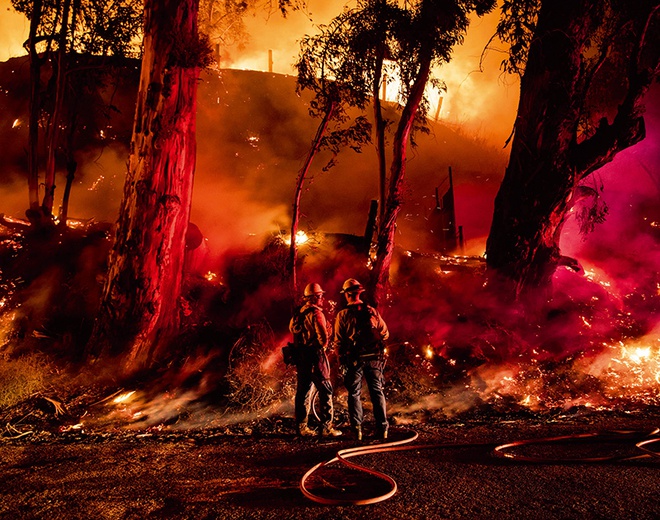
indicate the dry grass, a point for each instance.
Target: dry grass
{"x":22,"y":377}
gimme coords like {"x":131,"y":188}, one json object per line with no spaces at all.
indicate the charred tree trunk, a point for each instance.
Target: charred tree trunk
{"x":387,"y":228}
{"x":71,"y":164}
{"x":300,"y":182}
{"x":55,"y":117}
{"x":380,"y":131}
{"x":550,"y":154}
{"x":139,"y":310}
{"x":34,"y":212}
{"x":71,"y":167}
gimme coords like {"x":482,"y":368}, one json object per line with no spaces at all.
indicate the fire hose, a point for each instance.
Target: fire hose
{"x":502,"y":450}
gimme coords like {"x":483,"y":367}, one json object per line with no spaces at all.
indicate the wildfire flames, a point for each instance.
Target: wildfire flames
{"x":444,"y":364}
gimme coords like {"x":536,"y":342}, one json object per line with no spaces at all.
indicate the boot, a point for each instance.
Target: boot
{"x":304,"y":430}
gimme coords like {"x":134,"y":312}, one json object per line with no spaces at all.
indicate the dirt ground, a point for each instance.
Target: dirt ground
{"x":206,"y":474}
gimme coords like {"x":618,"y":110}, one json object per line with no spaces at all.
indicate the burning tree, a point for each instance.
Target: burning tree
{"x":358,"y":48}
{"x":139,"y":311}
{"x":587,"y":66}
{"x":435,"y":28}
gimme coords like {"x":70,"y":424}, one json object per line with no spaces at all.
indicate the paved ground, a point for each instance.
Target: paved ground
{"x":206,"y":475}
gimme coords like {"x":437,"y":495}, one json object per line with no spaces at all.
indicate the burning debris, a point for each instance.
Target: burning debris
{"x":455,"y":350}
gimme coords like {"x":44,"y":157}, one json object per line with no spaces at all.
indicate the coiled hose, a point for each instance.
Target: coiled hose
{"x":503,"y":450}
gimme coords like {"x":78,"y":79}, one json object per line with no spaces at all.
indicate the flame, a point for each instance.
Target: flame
{"x":301,"y":238}
{"x":211,"y":276}
{"x":123,"y":398}
{"x":17,"y":123}
{"x":75,"y":224}
{"x":623,"y":373}
{"x":78,"y":426}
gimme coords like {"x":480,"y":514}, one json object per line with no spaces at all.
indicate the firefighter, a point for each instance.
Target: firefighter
{"x":311,"y":339}
{"x":360,"y":335}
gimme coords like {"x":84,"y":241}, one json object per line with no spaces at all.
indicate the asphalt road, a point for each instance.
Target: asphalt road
{"x":204,"y":475}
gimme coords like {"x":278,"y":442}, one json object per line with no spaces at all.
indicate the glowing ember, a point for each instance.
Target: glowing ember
{"x":75,"y":224}
{"x":123,"y":398}
{"x":17,"y":123}
{"x":72,"y":427}
{"x":96,"y":183}
{"x":622,"y":374}
{"x":211,"y":276}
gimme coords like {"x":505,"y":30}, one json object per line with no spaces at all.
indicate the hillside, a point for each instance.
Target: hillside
{"x":253,"y":134}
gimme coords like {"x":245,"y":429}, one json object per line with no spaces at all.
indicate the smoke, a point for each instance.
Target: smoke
{"x":14,"y":28}
{"x":478,"y":97}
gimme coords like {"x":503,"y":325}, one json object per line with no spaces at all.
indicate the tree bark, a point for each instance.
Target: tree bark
{"x":34,"y":212}
{"x":380,"y":131}
{"x":55,"y":117}
{"x":139,"y":310}
{"x":547,"y":158}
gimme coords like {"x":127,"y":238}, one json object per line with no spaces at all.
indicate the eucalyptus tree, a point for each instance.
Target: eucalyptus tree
{"x":435,"y":27}
{"x":585,"y":66}
{"x":140,"y":305}
{"x":140,"y":310}
{"x":400,"y":39}
{"x":328,"y":69}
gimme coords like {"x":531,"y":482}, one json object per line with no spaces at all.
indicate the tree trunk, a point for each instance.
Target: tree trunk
{"x":387,"y":228}
{"x":72,"y":123}
{"x":300,"y":181}
{"x":34,"y":212}
{"x":547,"y":160}
{"x":71,"y":167}
{"x":380,"y":132}
{"x":55,"y":117}
{"x":139,"y":310}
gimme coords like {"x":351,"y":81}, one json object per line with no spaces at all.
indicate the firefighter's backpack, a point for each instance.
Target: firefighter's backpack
{"x":291,"y":352}
{"x":368,"y":344}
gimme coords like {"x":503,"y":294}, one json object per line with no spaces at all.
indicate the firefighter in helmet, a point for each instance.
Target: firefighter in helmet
{"x":311,"y":339}
{"x":360,"y":335}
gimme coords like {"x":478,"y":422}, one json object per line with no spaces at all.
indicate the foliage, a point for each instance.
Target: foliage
{"x":223,"y":21}
{"x":191,"y":52}
{"x":592,"y":209}
{"x":516,"y":29}
{"x":102,"y":27}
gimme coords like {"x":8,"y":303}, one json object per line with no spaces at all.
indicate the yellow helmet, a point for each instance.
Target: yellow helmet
{"x":352,"y":285}
{"x":313,"y":289}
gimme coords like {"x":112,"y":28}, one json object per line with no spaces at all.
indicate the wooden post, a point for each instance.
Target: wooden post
{"x":437,"y":110}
